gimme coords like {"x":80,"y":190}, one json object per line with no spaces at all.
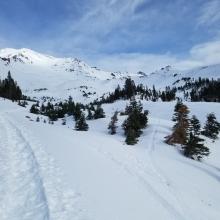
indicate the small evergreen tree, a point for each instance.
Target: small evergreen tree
{"x":90,"y":115}
{"x":112,"y":125}
{"x":77,"y":112}
{"x":195,"y":125}
{"x":81,"y":124}
{"x":99,"y":112}
{"x":212,"y":127}
{"x":131,"y":137}
{"x":195,"y":148}
{"x":129,"y":88}
{"x":181,"y":127}
{"x":9,"y":89}
{"x":34,"y":109}
{"x":135,"y":122}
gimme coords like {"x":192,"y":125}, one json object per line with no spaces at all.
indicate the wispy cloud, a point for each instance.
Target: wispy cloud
{"x":200,"y":55}
{"x":210,"y":13}
{"x":125,"y":35}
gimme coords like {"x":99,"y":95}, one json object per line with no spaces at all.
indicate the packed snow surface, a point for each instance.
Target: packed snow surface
{"x":54,"y":172}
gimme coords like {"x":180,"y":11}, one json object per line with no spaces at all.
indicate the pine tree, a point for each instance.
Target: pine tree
{"x":112,"y":125}
{"x":195,"y":148}
{"x":9,"y":89}
{"x":135,"y":122}
{"x":129,"y":88}
{"x":34,"y":109}
{"x":178,"y":105}
{"x":195,"y":125}
{"x":131,"y":137}
{"x":81,"y":124}
{"x":77,"y":112}
{"x":90,"y":115}
{"x":212,"y":127}
{"x":99,"y":112}
{"x":181,"y":127}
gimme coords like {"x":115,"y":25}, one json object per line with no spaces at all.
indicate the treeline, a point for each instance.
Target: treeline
{"x":203,"y":89}
{"x":133,"y":125}
{"x":69,"y":108}
{"x":187,"y":132}
{"x":9,"y":89}
{"x":130,"y":90}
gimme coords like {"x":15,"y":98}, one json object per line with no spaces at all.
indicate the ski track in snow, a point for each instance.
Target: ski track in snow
{"x":182,"y":207}
{"x":30,"y":182}
{"x":140,"y":170}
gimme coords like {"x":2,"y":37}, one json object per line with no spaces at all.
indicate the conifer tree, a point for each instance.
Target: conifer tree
{"x":181,"y":127}
{"x":131,"y":137}
{"x":112,"y":125}
{"x":135,"y":122}
{"x":81,"y":124}
{"x":99,"y":112}
{"x":195,"y":148}
{"x":34,"y":109}
{"x":195,"y":125}
{"x":77,"y":112}
{"x":9,"y":89}
{"x":212,"y":127}
{"x":129,"y":88}
{"x":90,"y":115}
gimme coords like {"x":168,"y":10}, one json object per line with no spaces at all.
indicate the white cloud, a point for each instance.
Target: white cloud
{"x":132,"y":62}
{"x":202,"y":54}
{"x":199,"y":55}
{"x":210,"y":13}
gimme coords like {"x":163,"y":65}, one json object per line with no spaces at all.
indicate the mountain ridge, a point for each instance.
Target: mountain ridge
{"x":43,"y":75}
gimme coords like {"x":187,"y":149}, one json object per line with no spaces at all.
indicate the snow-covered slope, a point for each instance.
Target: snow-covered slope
{"x":52,"y":172}
{"x":108,"y":179}
{"x":42,"y":75}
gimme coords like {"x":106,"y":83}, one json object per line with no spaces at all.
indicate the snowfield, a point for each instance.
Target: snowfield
{"x":54,"y":172}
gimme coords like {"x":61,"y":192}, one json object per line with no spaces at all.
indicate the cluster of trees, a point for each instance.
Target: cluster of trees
{"x":9,"y":89}
{"x":187,"y":132}
{"x":136,"y":120}
{"x":70,"y":108}
{"x":130,"y":89}
{"x":202,"y":89}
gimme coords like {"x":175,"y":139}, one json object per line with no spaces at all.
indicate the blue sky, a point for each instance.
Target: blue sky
{"x":127,"y":35}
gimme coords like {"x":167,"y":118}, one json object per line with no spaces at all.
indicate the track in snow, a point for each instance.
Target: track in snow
{"x":143,"y":170}
{"x":30,"y":186}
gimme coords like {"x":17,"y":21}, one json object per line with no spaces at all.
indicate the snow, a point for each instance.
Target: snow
{"x":31,"y":183}
{"x":54,"y":172}
{"x":99,"y":177}
{"x":42,"y":75}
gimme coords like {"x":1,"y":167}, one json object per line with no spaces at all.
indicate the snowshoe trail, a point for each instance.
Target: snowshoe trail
{"x":24,"y":194}
{"x":30,"y":182}
{"x":139,"y":171}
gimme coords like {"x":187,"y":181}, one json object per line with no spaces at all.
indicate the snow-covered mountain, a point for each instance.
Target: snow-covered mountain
{"x":42,"y":75}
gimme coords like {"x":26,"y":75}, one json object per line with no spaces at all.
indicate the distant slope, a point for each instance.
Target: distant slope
{"x":42,"y":75}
